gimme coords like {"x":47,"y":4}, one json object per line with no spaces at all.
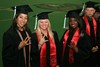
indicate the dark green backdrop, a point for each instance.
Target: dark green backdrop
{"x":56,"y":18}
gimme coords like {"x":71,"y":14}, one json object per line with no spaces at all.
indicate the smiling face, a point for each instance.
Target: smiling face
{"x":73,"y":23}
{"x":22,"y":20}
{"x":89,"y":12}
{"x":43,"y":24}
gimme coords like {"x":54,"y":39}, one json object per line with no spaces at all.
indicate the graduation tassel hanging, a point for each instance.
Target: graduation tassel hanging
{"x":14,"y":11}
{"x":64,"y":22}
{"x":35,"y":22}
{"x":82,"y":10}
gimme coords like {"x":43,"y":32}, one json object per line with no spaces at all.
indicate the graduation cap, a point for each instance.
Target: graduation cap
{"x":42,"y":15}
{"x":22,"y":9}
{"x":72,"y":14}
{"x":90,"y":4}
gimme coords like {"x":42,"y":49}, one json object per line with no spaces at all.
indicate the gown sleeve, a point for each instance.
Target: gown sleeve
{"x":84,"y":48}
{"x":10,"y":49}
{"x":58,"y":46}
{"x":35,"y":56}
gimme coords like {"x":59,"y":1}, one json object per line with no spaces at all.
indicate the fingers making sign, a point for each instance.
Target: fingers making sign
{"x":25,"y":42}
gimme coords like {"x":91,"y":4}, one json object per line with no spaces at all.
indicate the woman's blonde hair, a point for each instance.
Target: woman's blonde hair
{"x":48,"y":29}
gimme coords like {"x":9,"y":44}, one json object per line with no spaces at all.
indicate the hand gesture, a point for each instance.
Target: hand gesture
{"x":73,"y":46}
{"x":42,"y":40}
{"x":24,"y":42}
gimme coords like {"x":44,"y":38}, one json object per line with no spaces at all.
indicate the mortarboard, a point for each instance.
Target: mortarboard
{"x":22,"y":9}
{"x":72,"y":14}
{"x":90,"y":4}
{"x":42,"y":15}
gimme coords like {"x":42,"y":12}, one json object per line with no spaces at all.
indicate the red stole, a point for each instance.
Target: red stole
{"x":75,"y":39}
{"x":53,"y":58}
{"x":88,"y":26}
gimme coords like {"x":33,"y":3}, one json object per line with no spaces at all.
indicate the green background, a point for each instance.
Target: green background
{"x":56,"y":18}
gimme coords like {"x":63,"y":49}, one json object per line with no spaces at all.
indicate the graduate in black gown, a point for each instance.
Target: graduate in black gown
{"x":47,"y":43}
{"x":17,"y":40}
{"x":97,"y":17}
{"x":75,"y":43}
{"x":91,"y":26}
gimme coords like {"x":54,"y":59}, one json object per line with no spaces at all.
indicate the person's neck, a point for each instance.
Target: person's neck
{"x":73,"y":29}
{"x":20,"y":28}
{"x":44,"y":32}
{"x":89,"y":16}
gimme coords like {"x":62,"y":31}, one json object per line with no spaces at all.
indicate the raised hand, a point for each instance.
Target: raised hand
{"x":24,"y":42}
{"x":42,"y":41}
{"x":73,"y":46}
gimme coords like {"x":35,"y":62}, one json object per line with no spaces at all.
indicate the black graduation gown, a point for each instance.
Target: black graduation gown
{"x":83,"y":54}
{"x":11,"y":56}
{"x":98,"y":31}
{"x":98,"y":41}
{"x":95,"y":41}
{"x":92,"y":35}
{"x":35,"y":53}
